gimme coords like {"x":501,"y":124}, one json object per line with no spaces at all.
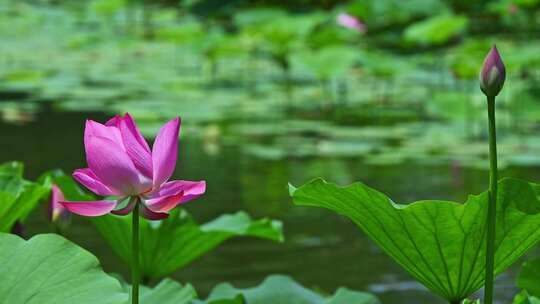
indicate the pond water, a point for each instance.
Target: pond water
{"x":321,"y":249}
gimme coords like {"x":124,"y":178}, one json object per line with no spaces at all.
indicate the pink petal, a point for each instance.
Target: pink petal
{"x":165,"y":152}
{"x":135,"y":145}
{"x":93,"y":128}
{"x":114,"y":121}
{"x":136,"y":132}
{"x":88,"y":179}
{"x":351,"y":22}
{"x":113,"y":167}
{"x":57,"y":194}
{"x":191,"y":189}
{"x":164,"y":203}
{"x":153,"y":216}
{"x":56,"y":209}
{"x":127,"y":209}
{"x":91,"y":208}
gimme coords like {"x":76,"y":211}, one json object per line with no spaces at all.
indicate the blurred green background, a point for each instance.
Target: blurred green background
{"x":272,"y":92}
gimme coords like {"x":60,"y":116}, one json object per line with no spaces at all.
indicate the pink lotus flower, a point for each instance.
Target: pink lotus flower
{"x":121,"y":164}
{"x":56,"y":209}
{"x":351,"y":22}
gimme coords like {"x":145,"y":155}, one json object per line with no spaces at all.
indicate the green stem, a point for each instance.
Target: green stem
{"x":492,"y":211}
{"x":135,"y":276}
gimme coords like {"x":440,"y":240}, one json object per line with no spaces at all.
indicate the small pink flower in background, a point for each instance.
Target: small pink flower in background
{"x":121,"y":165}
{"x":351,"y":22}
{"x":56,"y":209}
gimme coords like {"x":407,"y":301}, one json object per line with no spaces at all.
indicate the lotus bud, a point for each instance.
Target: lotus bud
{"x":56,"y":210}
{"x":493,"y":73}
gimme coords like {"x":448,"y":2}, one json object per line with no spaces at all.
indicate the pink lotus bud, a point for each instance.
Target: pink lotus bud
{"x":493,"y":73}
{"x":56,"y":210}
{"x":351,"y":22}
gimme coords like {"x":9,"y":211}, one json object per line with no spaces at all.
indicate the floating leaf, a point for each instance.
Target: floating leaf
{"x":175,"y":242}
{"x":257,"y":16}
{"x":281,"y":289}
{"x":440,"y":243}
{"x":436,"y":30}
{"x":341,"y":57}
{"x":48,"y":269}
{"x":379,"y":14}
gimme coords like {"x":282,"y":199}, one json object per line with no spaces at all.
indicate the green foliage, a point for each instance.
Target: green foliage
{"x":257,"y":16}
{"x":436,"y":30}
{"x":381,"y":64}
{"x":527,"y":3}
{"x":72,"y":191}
{"x":386,"y":13}
{"x":48,"y":269}
{"x":186,"y":31}
{"x":440,"y":243}
{"x":275,"y":289}
{"x":525,"y":298}
{"x":279,"y":289}
{"x":100,"y":66}
{"x":166,"y":292}
{"x":529,"y":278}
{"x":455,"y":106}
{"x":107,"y":7}
{"x":18,"y":197}
{"x":215,"y":44}
{"x":325,"y":35}
{"x":171,"y":244}
{"x":329,"y":62}
{"x":278,"y":33}
{"x":466,"y":59}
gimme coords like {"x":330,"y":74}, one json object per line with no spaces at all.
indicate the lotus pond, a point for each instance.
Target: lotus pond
{"x":271,"y":97}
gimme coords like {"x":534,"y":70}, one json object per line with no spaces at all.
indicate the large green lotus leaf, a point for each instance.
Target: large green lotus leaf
{"x":173,"y":243}
{"x":279,"y":289}
{"x":48,"y":269}
{"x":440,"y":243}
{"x":529,"y":277}
{"x":18,"y":197}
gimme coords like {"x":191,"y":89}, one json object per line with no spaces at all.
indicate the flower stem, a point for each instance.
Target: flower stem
{"x":135,"y":276}
{"x":492,"y":211}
